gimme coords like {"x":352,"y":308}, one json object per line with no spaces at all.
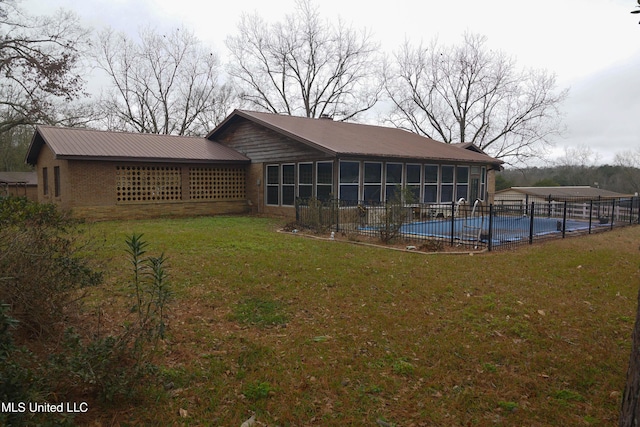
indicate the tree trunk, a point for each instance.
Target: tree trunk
{"x":630,"y":410}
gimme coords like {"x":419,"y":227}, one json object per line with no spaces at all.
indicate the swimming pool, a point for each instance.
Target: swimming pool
{"x":504,"y":228}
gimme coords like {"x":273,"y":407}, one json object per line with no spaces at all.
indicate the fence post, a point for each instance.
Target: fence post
{"x":564,"y":219}
{"x":533,"y":205}
{"x":335,"y":207}
{"x":490,"y":233}
{"x":590,"y":214}
{"x":297,"y":204}
{"x":613,"y":212}
{"x":453,"y":220}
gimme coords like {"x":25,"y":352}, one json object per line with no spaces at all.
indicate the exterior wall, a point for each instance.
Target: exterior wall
{"x":19,"y":190}
{"x":491,"y":185}
{"x":255,"y":185}
{"x":159,"y":210}
{"x":263,"y":145}
{"x":47,"y":160}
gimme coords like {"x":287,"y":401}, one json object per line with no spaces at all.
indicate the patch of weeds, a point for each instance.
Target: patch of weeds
{"x":567,"y":396}
{"x":432,"y":246}
{"x":403,"y":367}
{"x":372,"y":389}
{"x":489,"y":367}
{"x":489,"y":300}
{"x":590,"y":420}
{"x":508,"y":406}
{"x":257,"y":390}
{"x":259,"y":312}
{"x":521,"y":330}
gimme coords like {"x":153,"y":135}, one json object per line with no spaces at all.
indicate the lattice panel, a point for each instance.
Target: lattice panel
{"x":144,"y":184}
{"x":217,"y":184}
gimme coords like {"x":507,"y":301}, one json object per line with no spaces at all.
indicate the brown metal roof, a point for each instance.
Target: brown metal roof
{"x":28,"y":178}
{"x":87,"y":144}
{"x":343,"y":138}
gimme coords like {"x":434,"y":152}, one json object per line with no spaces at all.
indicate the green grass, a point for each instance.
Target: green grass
{"x":307,"y":332}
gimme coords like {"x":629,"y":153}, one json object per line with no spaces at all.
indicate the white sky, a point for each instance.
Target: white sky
{"x":593,"y":46}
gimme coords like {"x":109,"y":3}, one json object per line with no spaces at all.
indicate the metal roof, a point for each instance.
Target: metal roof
{"x":560,"y":192}
{"x":343,"y":138}
{"x":28,"y":178}
{"x":88,"y":144}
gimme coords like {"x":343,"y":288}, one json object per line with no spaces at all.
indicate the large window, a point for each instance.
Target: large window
{"x":446,"y":183}
{"x":393,"y":180}
{"x":372,"y":182}
{"x":288,"y":185}
{"x":305,"y":180}
{"x":273,"y":184}
{"x":324,"y":180}
{"x":462,"y":182}
{"x":349,"y":180}
{"x":413,"y":182}
{"x":431,"y":183}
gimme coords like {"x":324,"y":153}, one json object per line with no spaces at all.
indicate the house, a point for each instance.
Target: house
{"x":582,"y":202}
{"x":22,"y":184}
{"x":252,"y":161}
{"x":321,"y":158}
{"x":112,"y":175}
{"x":556,"y":194}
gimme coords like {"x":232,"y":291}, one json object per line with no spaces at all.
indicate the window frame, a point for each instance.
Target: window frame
{"x":430,"y":185}
{"x":447,"y":187}
{"x":321,"y":184}
{"x":390,"y":187}
{"x":288,"y":188}
{"x":371,"y":185}
{"x":302,"y":184}
{"x":270,"y":185}
{"x":348,"y":182}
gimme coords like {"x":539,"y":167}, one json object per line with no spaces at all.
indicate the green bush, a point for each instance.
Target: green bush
{"x":41,"y":270}
{"x":44,"y":273}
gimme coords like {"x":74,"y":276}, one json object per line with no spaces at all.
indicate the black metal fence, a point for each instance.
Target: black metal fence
{"x":499,"y":225}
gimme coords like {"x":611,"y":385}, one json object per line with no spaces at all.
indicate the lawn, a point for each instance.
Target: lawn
{"x":303,"y":331}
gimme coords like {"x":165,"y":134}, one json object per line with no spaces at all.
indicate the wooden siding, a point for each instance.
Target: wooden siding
{"x":264,"y":145}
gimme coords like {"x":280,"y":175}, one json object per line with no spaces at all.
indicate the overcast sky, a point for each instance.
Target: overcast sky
{"x":593,"y":46}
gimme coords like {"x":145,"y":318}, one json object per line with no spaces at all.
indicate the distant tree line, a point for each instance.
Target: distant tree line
{"x":618,"y":178}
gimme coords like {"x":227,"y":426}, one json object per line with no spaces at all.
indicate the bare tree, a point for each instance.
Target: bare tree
{"x":304,"y":65}
{"x":629,"y":161}
{"x":165,"y":83}
{"x":469,"y":93}
{"x":40,"y":65}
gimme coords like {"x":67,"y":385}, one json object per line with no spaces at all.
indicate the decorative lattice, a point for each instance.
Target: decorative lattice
{"x":217,"y":184}
{"x":144,"y":184}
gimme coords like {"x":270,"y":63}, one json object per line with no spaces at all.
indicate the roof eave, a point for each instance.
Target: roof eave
{"x":151,"y":159}
{"x":35,"y":146}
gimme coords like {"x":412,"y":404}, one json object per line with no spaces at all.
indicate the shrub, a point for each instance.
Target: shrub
{"x":41,"y":269}
{"x":113,"y":365}
{"x":44,"y":273}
